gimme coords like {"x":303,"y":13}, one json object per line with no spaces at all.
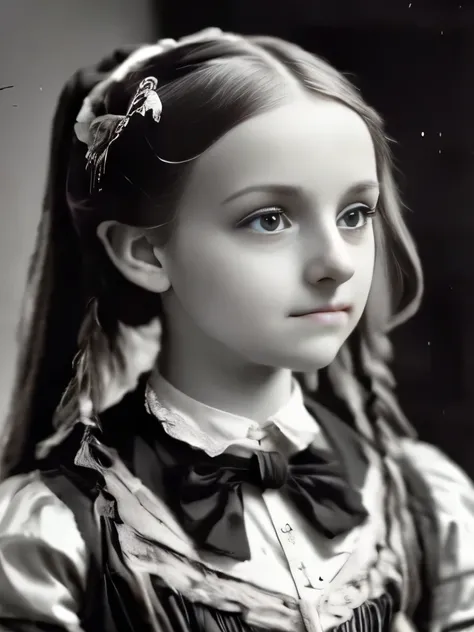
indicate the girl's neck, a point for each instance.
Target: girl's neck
{"x":246,"y":390}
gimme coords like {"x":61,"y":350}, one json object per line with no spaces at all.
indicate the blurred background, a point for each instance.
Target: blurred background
{"x":414,"y":62}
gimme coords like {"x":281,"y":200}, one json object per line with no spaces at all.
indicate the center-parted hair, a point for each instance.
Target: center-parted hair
{"x":76,"y":299}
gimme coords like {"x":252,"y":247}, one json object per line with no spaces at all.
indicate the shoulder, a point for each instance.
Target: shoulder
{"x":442,"y":495}
{"x":444,"y":503}
{"x":451,"y":489}
{"x":44,"y":558}
{"x":27,"y":500}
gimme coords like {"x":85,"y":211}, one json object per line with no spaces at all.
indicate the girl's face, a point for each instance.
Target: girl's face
{"x":275,"y":222}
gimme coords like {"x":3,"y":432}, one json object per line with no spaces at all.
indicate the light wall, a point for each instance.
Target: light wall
{"x":42,"y":43}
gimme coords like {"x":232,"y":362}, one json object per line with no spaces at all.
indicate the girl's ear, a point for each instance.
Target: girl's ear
{"x":134,"y":256}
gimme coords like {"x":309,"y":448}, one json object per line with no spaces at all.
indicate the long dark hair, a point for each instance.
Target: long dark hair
{"x":206,"y":88}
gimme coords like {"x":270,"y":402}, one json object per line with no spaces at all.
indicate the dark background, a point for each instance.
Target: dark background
{"x":414,"y":62}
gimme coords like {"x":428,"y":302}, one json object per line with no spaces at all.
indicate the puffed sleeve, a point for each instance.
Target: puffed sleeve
{"x":452,"y":493}
{"x":43,"y":560}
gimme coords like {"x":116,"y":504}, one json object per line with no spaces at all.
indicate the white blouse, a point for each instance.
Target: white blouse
{"x":287,"y":555}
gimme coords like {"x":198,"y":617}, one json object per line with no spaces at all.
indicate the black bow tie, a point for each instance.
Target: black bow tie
{"x":206,"y":495}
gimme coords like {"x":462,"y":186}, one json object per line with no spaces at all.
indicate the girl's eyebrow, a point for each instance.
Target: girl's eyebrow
{"x":362,"y":187}
{"x":284,"y":189}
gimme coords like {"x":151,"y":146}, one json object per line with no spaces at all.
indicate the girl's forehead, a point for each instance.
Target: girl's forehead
{"x":310,"y":143}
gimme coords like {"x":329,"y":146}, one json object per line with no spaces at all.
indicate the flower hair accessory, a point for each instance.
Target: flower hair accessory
{"x":106,"y":129}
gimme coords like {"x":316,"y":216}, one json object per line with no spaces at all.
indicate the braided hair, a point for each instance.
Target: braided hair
{"x":53,"y":306}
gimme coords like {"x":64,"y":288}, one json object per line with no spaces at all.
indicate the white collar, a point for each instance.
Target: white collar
{"x":213,"y":430}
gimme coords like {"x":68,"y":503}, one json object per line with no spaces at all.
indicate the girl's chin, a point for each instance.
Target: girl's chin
{"x":316,"y":355}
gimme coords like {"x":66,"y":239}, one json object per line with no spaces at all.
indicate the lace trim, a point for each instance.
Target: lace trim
{"x":154,"y":543}
{"x":179,"y":428}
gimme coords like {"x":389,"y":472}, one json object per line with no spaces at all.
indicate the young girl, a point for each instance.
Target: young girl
{"x":220,"y":258}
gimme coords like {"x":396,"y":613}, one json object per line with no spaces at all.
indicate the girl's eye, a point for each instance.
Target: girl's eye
{"x":355,"y":217}
{"x":272,"y":220}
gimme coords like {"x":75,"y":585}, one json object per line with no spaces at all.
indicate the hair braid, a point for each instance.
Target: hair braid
{"x":53,"y":303}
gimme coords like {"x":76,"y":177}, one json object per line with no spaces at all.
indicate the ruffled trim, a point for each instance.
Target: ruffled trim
{"x":153,"y":543}
{"x":176,"y":426}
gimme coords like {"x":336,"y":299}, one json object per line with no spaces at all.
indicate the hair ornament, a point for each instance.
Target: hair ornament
{"x":106,"y":129}
{"x":99,"y":132}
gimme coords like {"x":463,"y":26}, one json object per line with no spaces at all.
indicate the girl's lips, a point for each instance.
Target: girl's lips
{"x":327,"y":309}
